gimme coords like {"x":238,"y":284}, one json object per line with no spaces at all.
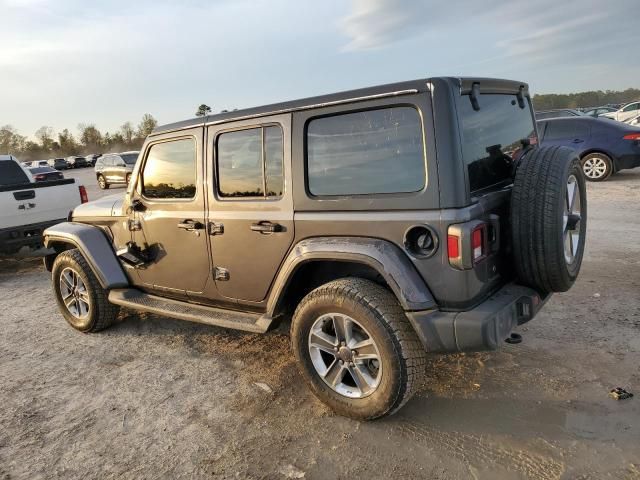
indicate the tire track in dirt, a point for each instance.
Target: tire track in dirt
{"x":474,"y":450}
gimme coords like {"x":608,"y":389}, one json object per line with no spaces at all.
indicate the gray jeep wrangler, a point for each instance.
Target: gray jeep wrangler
{"x":384,"y":223}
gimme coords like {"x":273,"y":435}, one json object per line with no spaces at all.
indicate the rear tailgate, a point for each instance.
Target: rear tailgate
{"x":37,"y":202}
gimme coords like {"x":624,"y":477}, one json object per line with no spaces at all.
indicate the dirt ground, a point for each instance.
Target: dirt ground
{"x":159,"y":398}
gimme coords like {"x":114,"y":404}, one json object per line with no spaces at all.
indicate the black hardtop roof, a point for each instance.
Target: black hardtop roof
{"x":463,"y":84}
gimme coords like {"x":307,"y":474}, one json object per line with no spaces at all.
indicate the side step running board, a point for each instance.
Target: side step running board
{"x":138,"y":300}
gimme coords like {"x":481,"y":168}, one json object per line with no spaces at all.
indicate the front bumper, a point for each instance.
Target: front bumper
{"x":483,"y":328}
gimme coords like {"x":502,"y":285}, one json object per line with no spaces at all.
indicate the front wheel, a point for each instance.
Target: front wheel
{"x":81,"y":299}
{"x":356,"y":348}
{"x":102,"y":183}
{"x":597,"y":167}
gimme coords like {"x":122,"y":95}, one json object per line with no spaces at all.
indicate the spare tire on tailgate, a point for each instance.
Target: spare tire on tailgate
{"x":548,"y":218}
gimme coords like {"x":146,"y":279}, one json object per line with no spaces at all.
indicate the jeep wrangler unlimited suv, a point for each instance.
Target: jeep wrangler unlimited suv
{"x":384,"y":223}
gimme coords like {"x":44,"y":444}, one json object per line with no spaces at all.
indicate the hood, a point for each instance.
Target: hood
{"x":108,"y":206}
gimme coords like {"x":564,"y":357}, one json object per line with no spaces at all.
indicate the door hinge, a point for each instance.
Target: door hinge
{"x":134,"y":225}
{"x":221,"y":274}
{"x":216,"y":228}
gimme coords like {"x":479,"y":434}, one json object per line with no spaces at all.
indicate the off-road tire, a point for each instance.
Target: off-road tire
{"x":537,"y":208}
{"x":102,"y":184}
{"x":598,"y":156}
{"x":402,"y":355}
{"x":101,"y":313}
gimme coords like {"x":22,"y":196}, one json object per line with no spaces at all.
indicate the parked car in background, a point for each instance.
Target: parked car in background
{"x":43,"y":174}
{"x":115,"y":168}
{"x":76,"y":162}
{"x":604,"y":147}
{"x":634,"y":121}
{"x":91,"y":158}
{"x":596,"y":112}
{"x":629,"y":110}
{"x":58,"y":163}
{"x":27,"y":208}
{"x":39,"y":163}
{"x":562,"y":112}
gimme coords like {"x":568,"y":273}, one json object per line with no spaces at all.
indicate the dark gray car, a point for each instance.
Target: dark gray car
{"x":115,"y":168}
{"x":380,"y":224}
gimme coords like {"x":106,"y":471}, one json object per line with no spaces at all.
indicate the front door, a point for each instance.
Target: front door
{"x":250,"y":204}
{"x":169,"y":223}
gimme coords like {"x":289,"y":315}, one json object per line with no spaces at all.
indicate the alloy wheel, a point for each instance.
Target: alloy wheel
{"x":345,"y":355}
{"x":75,"y":295}
{"x":571,"y":220}
{"x":595,"y":167}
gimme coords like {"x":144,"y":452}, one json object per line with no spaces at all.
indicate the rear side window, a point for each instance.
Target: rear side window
{"x":170,"y":170}
{"x":492,"y":136}
{"x":566,"y":130}
{"x":12,"y":174}
{"x":250,"y":162}
{"x":369,"y":152}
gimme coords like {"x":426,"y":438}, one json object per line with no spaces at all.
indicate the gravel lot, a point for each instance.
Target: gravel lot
{"x":157,"y":398}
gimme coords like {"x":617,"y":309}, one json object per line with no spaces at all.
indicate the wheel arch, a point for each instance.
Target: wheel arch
{"x":316,"y":261}
{"x":94,"y":246}
{"x":600,"y":150}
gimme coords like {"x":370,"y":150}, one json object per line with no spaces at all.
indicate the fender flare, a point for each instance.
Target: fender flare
{"x":95,"y":248}
{"x":383,"y":256}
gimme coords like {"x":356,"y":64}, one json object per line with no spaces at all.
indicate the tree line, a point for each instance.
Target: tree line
{"x":585,"y":99}
{"x":89,"y":139}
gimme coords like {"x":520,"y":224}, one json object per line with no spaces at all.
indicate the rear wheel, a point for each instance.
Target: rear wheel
{"x":81,"y":299}
{"x":356,"y":348}
{"x":102,"y":182}
{"x":597,"y":167}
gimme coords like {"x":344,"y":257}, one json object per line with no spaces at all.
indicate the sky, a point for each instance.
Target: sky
{"x":67,"y":62}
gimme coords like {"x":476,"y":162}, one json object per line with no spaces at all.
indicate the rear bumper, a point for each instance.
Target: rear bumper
{"x":628,"y":161}
{"x":14,"y":238}
{"x":483,"y":328}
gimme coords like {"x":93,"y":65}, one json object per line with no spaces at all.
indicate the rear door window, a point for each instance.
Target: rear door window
{"x":369,"y":152}
{"x":492,"y":136}
{"x":12,"y":174}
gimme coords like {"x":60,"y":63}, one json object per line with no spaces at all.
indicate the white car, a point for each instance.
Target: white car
{"x":28,"y":208}
{"x":635,"y":121}
{"x":630,"y":110}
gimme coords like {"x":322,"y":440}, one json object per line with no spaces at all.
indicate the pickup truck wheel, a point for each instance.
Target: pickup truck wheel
{"x":357,"y":349}
{"x":81,"y":299}
{"x":548,"y":218}
{"x":102,"y":183}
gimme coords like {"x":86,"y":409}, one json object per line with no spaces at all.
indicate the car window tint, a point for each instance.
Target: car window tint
{"x":170,"y":170}
{"x":492,"y":137}
{"x":630,"y":108}
{"x":559,"y":130}
{"x":11,"y":173}
{"x":370,"y":152}
{"x":249,"y":160}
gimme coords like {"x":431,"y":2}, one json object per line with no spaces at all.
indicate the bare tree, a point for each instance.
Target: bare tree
{"x":146,"y":125}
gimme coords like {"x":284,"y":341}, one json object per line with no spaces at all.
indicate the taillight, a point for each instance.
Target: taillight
{"x":83,"y":194}
{"x":40,"y":177}
{"x":632,"y":136}
{"x":453,"y":246}
{"x":478,"y":247}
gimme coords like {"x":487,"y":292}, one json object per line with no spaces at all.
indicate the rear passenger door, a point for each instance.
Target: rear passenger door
{"x":250,"y":216}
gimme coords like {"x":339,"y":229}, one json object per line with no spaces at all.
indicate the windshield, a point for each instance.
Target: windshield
{"x":130,"y":158}
{"x":492,"y":137}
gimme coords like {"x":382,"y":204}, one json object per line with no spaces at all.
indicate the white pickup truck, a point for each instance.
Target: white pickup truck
{"x":27,"y":208}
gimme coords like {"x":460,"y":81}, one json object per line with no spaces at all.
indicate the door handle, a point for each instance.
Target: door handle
{"x":190,"y":225}
{"x":266,"y":227}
